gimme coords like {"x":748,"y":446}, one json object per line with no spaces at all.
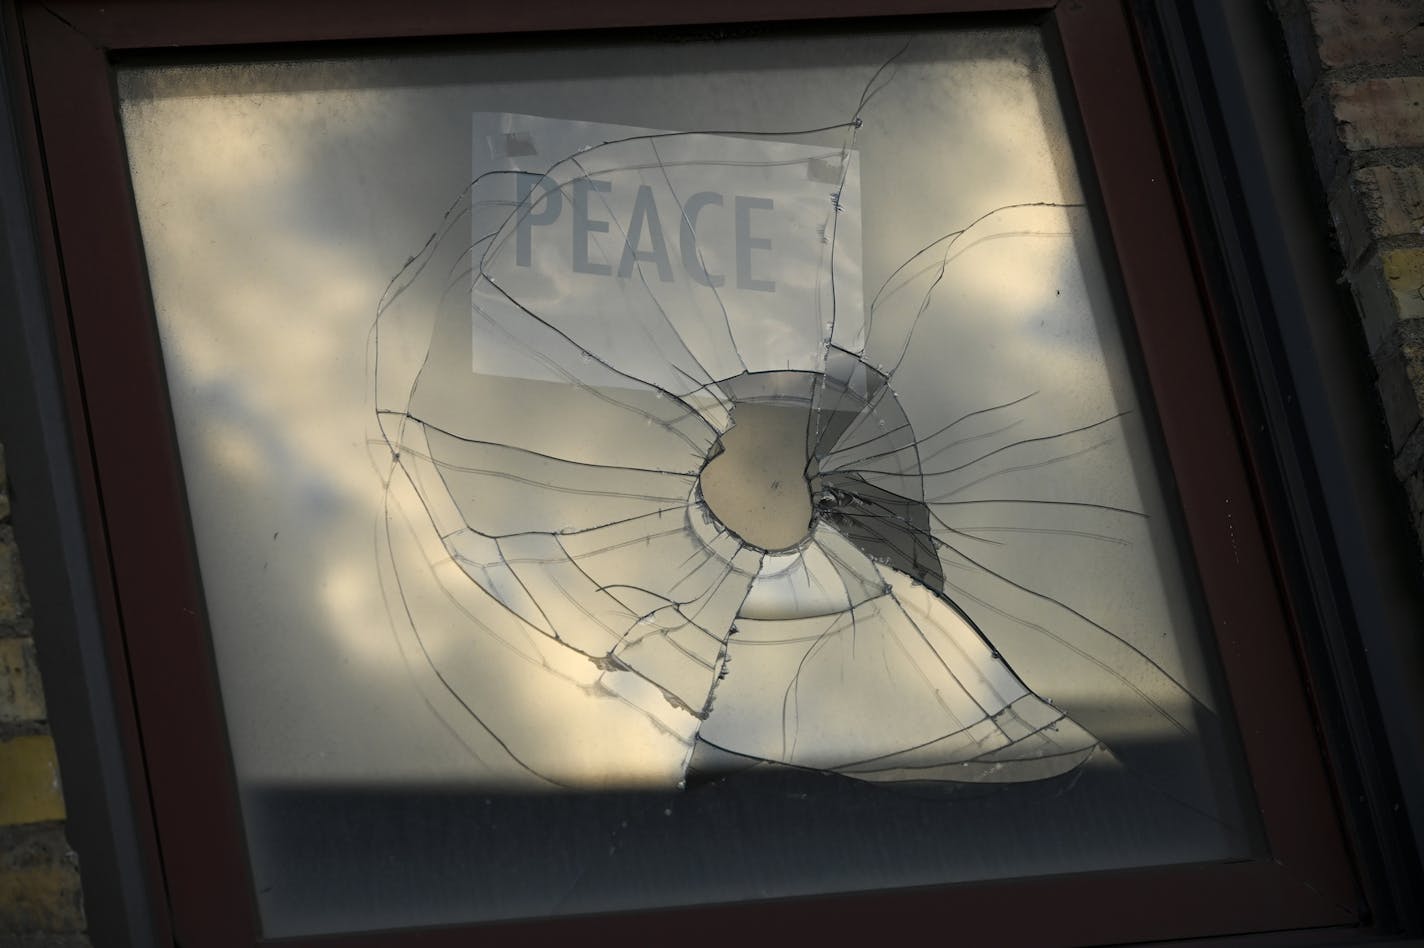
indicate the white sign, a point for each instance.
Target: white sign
{"x":703,"y":254}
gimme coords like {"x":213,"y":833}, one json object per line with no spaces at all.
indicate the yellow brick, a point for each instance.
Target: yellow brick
{"x":1404,"y":275}
{"x":1355,"y":32}
{"x":39,"y":883}
{"x":1379,"y":113}
{"x":29,"y":781}
{"x":21,"y":696}
{"x":39,"y":899}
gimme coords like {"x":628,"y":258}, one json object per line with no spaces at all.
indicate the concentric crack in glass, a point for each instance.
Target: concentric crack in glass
{"x":694,"y":490}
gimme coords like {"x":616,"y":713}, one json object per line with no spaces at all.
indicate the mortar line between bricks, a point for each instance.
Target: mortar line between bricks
{"x":1409,"y":67}
{"x":1392,"y":156}
{"x":1397,"y":242}
{"x":24,"y":628}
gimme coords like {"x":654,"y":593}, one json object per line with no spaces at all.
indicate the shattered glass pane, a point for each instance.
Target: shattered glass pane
{"x":705,"y":483}
{"x":656,"y":464}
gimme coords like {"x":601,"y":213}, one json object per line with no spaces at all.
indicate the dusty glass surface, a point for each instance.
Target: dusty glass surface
{"x":651,"y":473}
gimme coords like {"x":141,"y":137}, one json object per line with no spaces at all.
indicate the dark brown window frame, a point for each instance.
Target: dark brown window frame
{"x":140,"y":531}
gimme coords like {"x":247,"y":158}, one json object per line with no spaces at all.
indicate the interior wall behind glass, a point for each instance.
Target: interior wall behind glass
{"x":415,"y":742}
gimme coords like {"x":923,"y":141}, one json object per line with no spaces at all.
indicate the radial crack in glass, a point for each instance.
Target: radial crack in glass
{"x":712,"y":490}
{"x":702,"y":597}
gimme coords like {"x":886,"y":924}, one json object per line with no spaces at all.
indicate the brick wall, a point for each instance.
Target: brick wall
{"x":1359,"y":68}
{"x":40,"y":897}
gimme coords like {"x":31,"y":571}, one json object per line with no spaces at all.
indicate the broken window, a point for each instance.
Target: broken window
{"x":672,"y":471}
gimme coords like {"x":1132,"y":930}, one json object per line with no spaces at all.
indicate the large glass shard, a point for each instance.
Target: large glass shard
{"x":660,"y":463}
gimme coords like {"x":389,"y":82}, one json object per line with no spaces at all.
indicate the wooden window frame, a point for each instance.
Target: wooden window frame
{"x":150,"y":592}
